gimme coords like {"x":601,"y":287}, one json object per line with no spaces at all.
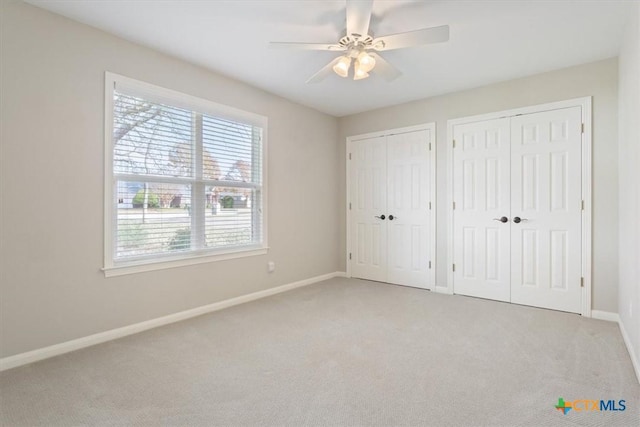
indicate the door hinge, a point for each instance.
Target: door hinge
{"x":582,"y":282}
{"x":349,"y":205}
{"x":349,"y":156}
{"x":429,"y":146}
{"x":454,"y":143}
{"x":349,"y":255}
{"x":454,"y":205}
{"x":429,"y":265}
{"x":582,"y":204}
{"x":429,"y":205}
{"x":582,"y":128}
{"x":454,"y":267}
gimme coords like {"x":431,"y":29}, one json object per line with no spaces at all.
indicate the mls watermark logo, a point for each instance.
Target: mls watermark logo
{"x":586,"y":405}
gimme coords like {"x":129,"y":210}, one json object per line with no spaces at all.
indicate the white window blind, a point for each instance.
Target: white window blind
{"x":186,"y":177}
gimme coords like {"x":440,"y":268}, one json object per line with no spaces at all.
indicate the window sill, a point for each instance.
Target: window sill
{"x":143,"y":266}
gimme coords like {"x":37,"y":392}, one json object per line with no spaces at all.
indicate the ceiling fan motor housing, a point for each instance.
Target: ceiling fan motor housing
{"x":355,"y":43}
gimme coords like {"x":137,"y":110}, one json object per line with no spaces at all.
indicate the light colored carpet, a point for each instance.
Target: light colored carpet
{"x":340,"y":352}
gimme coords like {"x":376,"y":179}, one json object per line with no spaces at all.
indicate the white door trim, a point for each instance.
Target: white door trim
{"x":585,"y":104}
{"x":431,"y":127}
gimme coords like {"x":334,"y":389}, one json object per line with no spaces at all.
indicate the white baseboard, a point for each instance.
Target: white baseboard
{"x":605,"y":315}
{"x":632,"y":353}
{"x":614,"y":317}
{"x":76,"y":344}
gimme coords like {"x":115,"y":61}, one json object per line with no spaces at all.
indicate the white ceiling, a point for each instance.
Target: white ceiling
{"x":490,"y":41}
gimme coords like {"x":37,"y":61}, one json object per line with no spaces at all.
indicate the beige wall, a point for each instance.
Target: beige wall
{"x":52,"y":88}
{"x":597,"y":79}
{"x":629,"y":293}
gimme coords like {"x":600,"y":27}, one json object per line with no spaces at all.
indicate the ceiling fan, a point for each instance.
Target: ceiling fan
{"x":359,"y":47}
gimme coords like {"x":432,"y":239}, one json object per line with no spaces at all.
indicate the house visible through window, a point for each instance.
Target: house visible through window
{"x":186,"y":176}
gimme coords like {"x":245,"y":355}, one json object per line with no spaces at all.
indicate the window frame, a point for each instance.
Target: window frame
{"x":113,"y":267}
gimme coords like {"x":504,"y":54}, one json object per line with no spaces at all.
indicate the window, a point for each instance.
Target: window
{"x":184,"y":179}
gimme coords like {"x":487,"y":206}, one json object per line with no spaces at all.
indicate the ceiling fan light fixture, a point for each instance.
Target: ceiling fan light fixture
{"x":341,"y":68}
{"x":359,"y":72}
{"x":367,"y":62}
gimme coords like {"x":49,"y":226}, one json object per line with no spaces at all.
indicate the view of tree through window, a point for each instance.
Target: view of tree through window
{"x":184,"y":181}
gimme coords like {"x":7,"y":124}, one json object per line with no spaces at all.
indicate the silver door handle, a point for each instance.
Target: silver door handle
{"x":381,"y":217}
{"x":503,"y":219}
{"x":517,"y":219}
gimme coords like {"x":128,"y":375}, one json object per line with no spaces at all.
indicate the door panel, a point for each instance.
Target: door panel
{"x":391,"y":176}
{"x":481,"y":193}
{"x":369,"y":199}
{"x":546,"y":192}
{"x":408,"y":202}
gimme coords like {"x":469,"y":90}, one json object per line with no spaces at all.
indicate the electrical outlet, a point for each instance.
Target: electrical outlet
{"x":271,"y":266}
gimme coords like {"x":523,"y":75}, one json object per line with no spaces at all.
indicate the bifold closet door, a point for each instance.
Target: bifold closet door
{"x":481,"y":214}
{"x":390,"y":180}
{"x":408,"y":196}
{"x":546,"y":196}
{"x":368,"y":206}
{"x":517,"y":219}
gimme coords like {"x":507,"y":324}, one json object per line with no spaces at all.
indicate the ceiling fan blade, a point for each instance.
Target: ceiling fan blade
{"x":358,"y":16}
{"x":412,"y":38}
{"x":307,"y":46}
{"x":324,"y":71}
{"x":386,"y":70}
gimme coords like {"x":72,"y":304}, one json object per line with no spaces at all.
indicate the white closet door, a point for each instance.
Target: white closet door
{"x":408,"y":219}
{"x":481,"y":194}
{"x":368,"y":204}
{"x":546,"y":197}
